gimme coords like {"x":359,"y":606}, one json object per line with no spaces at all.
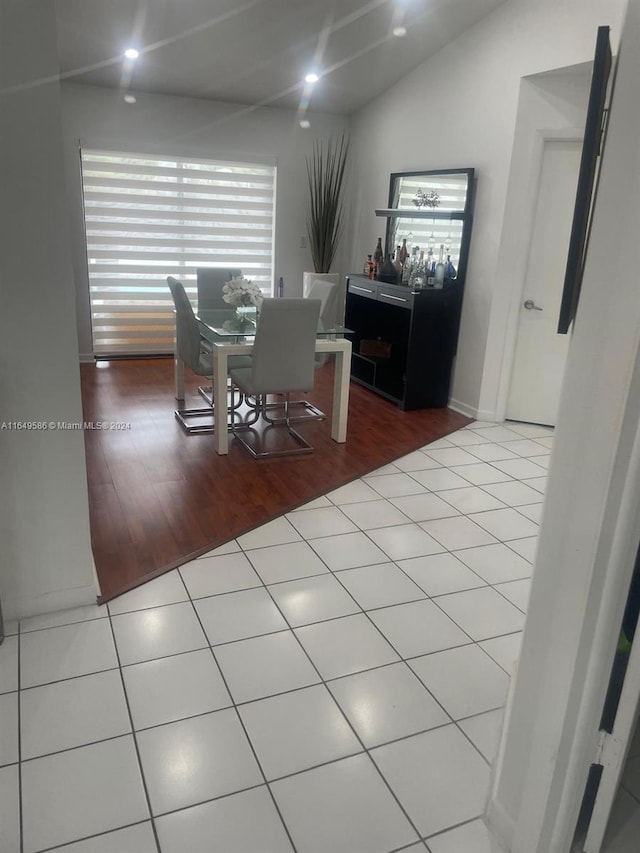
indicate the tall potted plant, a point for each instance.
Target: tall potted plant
{"x":325,"y":174}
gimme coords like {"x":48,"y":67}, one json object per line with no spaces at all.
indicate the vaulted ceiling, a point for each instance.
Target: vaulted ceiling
{"x":258,"y":51}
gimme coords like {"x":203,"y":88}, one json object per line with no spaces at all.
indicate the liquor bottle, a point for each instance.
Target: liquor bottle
{"x":404,"y":253}
{"x":418,"y":274}
{"x":440,"y":268}
{"x":410,"y":266}
{"x":430,"y":269}
{"x":378,"y":255}
{"x":398,"y":263}
{"x":367,"y":267}
{"x":406,"y":271}
{"x":450,"y":272}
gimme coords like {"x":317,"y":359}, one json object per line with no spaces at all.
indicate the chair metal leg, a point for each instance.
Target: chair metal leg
{"x":253,"y":406}
{"x":260,"y":410}
{"x":206,"y":392}
{"x":311,"y":413}
{"x":182,"y":415}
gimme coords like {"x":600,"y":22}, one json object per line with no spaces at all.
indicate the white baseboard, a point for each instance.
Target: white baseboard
{"x":463,"y":408}
{"x":485,"y":415}
{"x":472,"y":411}
{"x":36,"y":605}
{"x":86,"y":357}
{"x":499,"y":825}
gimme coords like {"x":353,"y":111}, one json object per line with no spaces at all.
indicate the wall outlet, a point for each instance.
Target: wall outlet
{"x":303,"y":242}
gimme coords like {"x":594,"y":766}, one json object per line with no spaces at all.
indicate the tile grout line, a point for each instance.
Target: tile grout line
{"x":75,"y":748}
{"x":240,"y":720}
{"x":406,"y":848}
{"x":205,"y":802}
{"x":68,"y":678}
{"x":442,"y":832}
{"x":134,"y":737}
{"x":66,"y":624}
{"x":67,"y":844}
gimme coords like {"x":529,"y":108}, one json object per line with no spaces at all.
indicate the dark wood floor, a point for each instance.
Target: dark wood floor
{"x":159,"y":497}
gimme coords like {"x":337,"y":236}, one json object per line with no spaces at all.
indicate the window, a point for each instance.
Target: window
{"x":147,"y":217}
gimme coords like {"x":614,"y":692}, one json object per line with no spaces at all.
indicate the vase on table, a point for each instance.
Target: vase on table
{"x":247,"y":316}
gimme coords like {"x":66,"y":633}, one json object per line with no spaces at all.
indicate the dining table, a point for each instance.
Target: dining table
{"x":231,"y":333}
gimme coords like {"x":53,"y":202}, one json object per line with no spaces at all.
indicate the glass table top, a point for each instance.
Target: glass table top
{"x":227,"y":325}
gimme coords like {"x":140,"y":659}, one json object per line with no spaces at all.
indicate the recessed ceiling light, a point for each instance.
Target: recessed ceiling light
{"x":311,"y":78}
{"x":130,"y":99}
{"x":305,"y":123}
{"x":399,"y":31}
{"x":132,"y":53}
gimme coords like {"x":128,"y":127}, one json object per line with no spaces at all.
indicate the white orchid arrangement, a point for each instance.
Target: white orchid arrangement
{"x":242,"y":291}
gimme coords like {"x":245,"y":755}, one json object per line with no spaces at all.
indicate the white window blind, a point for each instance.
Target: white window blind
{"x":148,"y":217}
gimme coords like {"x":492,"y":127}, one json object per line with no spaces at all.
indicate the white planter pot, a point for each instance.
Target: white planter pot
{"x":309,"y":277}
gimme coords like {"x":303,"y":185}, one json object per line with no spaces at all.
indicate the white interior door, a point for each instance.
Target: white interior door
{"x":540,"y":356}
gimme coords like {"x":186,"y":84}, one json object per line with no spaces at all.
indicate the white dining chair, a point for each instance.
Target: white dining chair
{"x":282,"y":361}
{"x":197,"y":353}
{"x":210,"y":281}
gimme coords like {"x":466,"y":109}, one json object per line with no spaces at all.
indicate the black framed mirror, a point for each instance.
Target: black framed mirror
{"x":433,"y":191}
{"x":432,"y":211}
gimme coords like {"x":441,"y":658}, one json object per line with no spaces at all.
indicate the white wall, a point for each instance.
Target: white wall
{"x":45,"y":557}
{"x":164,"y":123}
{"x":591,"y":519}
{"x":458,"y":109}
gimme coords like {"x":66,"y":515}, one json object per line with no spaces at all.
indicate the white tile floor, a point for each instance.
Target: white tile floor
{"x":331,"y":682}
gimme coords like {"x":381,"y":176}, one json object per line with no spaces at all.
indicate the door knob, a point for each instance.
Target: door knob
{"x":530,"y":305}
